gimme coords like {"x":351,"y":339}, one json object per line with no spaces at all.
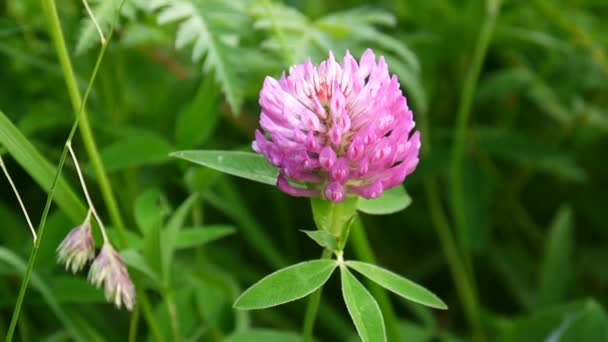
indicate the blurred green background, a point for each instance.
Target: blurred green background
{"x":510,"y":199}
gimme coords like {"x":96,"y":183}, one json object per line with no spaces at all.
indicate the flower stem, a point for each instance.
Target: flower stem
{"x":463,"y":271}
{"x":313,"y":307}
{"x":463,"y":116}
{"x":102,"y":39}
{"x":466,"y":291}
{"x":172,"y":311}
{"x":463,"y":282}
{"x":53,"y":21}
{"x":50,"y":10}
{"x":133,"y":325}
{"x":83,"y":184}
{"x":364,"y":252}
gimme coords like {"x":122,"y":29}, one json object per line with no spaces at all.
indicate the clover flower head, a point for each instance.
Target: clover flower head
{"x":337,"y":130}
{"x":78,"y":248}
{"x":108,"y":269}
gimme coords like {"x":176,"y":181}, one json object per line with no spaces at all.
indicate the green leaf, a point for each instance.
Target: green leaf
{"x":553,"y":280}
{"x":104,"y":12}
{"x":397,"y":284}
{"x":527,"y":152}
{"x":169,"y":234}
{"x":323,"y":238}
{"x":286,"y":285}
{"x":212,"y":300}
{"x":263,"y":335}
{"x":247,"y":165}
{"x":151,"y":209}
{"x":39,"y":169}
{"x":152,"y":247}
{"x":198,"y":119}
{"x":135,"y":151}
{"x":194,"y":237}
{"x":72,"y":289}
{"x":477,"y":200}
{"x":363,"y":308}
{"x":212,"y":28}
{"x":9,"y":257}
{"x":392,"y":201}
{"x":135,"y":260}
{"x":413,"y":332}
{"x":578,"y":321}
{"x":230,"y":202}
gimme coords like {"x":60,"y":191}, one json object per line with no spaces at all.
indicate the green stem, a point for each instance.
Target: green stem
{"x":466,"y":291}
{"x":56,"y":33}
{"x":146,"y":308}
{"x":34,"y":253}
{"x":464,"y":285}
{"x":463,"y":116}
{"x":133,"y":325}
{"x":462,"y":271}
{"x":172,"y":311}
{"x":364,"y":252}
{"x":78,"y":103}
{"x":313,"y":307}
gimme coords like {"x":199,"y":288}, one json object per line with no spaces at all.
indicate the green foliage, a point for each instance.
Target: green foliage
{"x":334,"y":217}
{"x":39,"y":168}
{"x":286,"y":285}
{"x":392,"y":201}
{"x":248,"y":165}
{"x":105,"y":12}
{"x":558,"y":251}
{"x":363,"y":308}
{"x":263,"y":335}
{"x":324,"y":238}
{"x":137,"y":151}
{"x":582,"y":321}
{"x":175,"y":74}
{"x":397,"y":284}
{"x":211,"y":27}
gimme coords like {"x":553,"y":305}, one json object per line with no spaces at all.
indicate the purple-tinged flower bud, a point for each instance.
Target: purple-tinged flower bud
{"x":355,"y":149}
{"x":108,"y":269}
{"x":78,"y":248}
{"x":338,"y":129}
{"x":327,"y":158}
{"x":334,"y":192}
{"x":339,"y":172}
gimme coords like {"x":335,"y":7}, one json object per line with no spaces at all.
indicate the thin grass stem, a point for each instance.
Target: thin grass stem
{"x":83,"y":184}
{"x":27,"y":216}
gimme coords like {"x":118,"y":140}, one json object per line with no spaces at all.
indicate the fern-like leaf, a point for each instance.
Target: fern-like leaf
{"x":211,"y":28}
{"x":291,"y":32}
{"x":294,"y":36}
{"x":104,"y":12}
